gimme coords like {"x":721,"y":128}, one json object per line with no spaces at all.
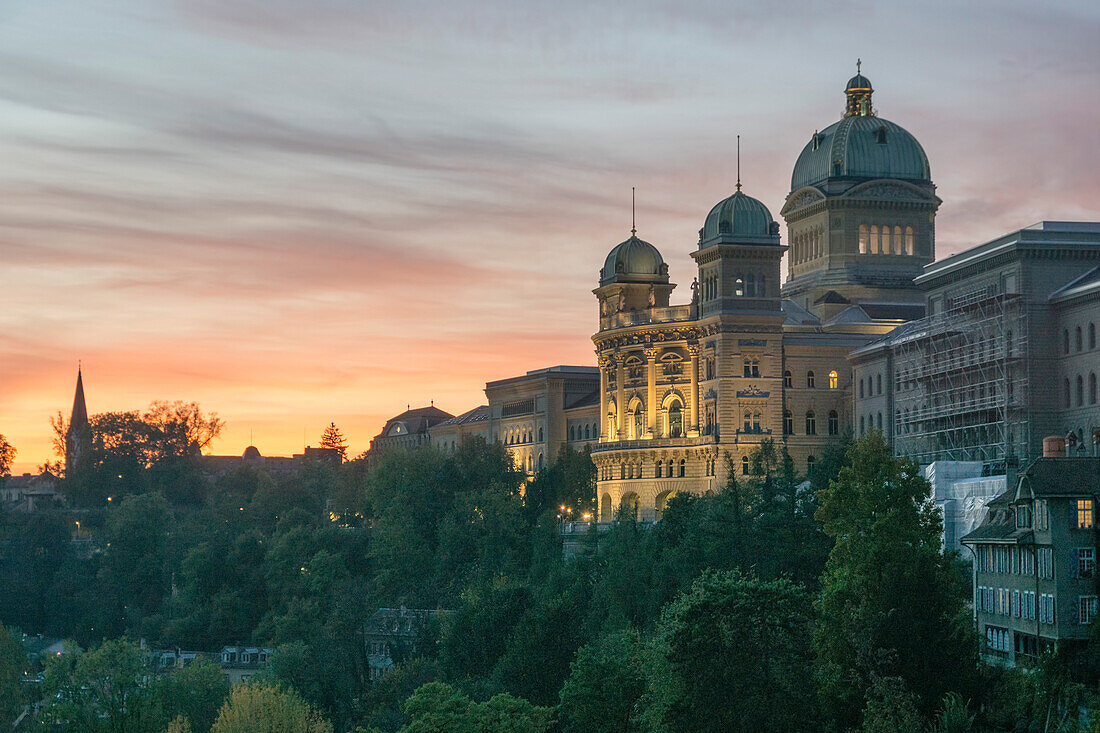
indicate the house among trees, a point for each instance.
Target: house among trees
{"x":1035,"y":584}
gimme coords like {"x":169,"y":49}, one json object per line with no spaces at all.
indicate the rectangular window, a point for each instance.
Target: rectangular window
{"x":1042,"y":517}
{"x":1086,"y":562}
{"x":1027,"y":562}
{"x":1046,"y":608}
{"x":1046,"y":562}
{"x":1084,"y":514}
{"x":1016,"y":603}
{"x":1023,"y":517}
{"x":1086,"y":609}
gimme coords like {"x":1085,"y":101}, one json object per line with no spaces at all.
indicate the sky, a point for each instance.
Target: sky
{"x":297,"y":212}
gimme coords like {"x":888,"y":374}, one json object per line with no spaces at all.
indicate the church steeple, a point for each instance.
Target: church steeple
{"x":78,"y":437}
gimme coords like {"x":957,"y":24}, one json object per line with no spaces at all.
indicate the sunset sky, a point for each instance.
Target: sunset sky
{"x":302,"y":211}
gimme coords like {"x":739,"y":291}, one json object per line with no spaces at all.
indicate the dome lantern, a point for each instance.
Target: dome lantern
{"x":859,"y":92}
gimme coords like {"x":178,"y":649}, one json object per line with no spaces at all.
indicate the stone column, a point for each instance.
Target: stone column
{"x":651,"y":395}
{"x":603,"y":361}
{"x":693,"y":429}
{"x":620,"y":395}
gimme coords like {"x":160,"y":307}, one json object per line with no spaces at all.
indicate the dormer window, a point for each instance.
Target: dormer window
{"x":1023,"y":517}
{"x":880,"y":135}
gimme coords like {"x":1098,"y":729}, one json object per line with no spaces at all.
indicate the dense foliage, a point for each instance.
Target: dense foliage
{"x":781,"y":602}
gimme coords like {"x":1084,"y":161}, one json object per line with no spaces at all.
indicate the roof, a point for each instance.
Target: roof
{"x":736,"y":217}
{"x":477,"y":414}
{"x":859,"y":81}
{"x":832,"y":297}
{"x":861,"y":147}
{"x":797,"y":315}
{"x":585,"y":400}
{"x":418,"y":420}
{"x":1060,"y":477}
{"x":634,"y":260}
{"x":1087,"y":283}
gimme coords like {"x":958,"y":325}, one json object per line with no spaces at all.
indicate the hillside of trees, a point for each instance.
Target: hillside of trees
{"x":781,"y":603}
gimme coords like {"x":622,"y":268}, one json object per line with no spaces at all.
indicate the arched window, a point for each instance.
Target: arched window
{"x":1066,"y":395}
{"x":540,"y":461}
{"x":788,"y":380}
{"x":898,"y":244}
{"x":745,"y":465}
{"x":1080,"y":390}
{"x":810,"y":379}
{"x":861,"y":387}
{"x":756,"y":367}
{"x":788,"y":422}
{"x":639,"y":423}
{"x":756,"y":422}
{"x":834,"y":423}
{"x":1065,"y":341}
{"x":748,"y":422}
{"x":874,"y":239}
{"x":878,"y":383}
{"x":811,"y":423}
{"x":834,"y":380}
{"x":1092,"y":335}
{"x":668,"y":468}
{"x":683,"y":467}
{"x":676,"y":420}
{"x":909,"y":240}
{"x":863,"y":239}
{"x":809,"y":463}
{"x":657,"y":469}
{"x":750,"y":285}
{"x":761,"y":291}
{"x":1078,"y":339}
{"x":587,"y":436}
{"x":1092,"y":388}
{"x":739,"y":285}
{"x":862,"y":429}
{"x":878,"y":421}
{"x":571,"y":432}
{"x":540,"y":435}
{"x":530,"y":464}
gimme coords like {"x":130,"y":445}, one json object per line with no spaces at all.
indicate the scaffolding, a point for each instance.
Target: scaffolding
{"x":962,"y":382}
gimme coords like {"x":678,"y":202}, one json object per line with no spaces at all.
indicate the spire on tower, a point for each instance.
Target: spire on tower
{"x":633,"y":220}
{"x":79,"y":417}
{"x":738,"y":162}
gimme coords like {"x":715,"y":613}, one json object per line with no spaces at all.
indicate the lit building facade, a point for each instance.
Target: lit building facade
{"x":749,"y":358}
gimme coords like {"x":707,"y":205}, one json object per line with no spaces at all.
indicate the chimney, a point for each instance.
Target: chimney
{"x":1054,"y":446}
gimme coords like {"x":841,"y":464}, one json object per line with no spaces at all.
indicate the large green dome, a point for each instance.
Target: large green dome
{"x":738,"y":216}
{"x":861,"y":147}
{"x":634,"y":260}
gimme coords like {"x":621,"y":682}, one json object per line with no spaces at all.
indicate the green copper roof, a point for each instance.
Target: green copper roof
{"x":859,"y":81}
{"x":738,"y":216}
{"x":634,"y":260}
{"x":861,"y":147}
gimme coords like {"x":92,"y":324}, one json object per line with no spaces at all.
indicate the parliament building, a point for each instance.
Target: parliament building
{"x":954,"y":360}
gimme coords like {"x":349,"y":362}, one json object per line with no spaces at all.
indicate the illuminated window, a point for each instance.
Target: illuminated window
{"x":1084,"y":514}
{"x":833,"y":380}
{"x":898,"y":244}
{"x":676,"y":420}
{"x":739,"y":286}
{"x":908,"y":240}
{"x":863,"y":239}
{"x":874,"y":240}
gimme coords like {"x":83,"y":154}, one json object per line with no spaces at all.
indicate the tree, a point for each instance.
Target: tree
{"x":13,"y":662}
{"x":732,"y":654}
{"x":134,"y":570}
{"x":890,"y":606}
{"x":334,"y":439}
{"x":890,"y":708}
{"x":437,"y":707}
{"x":101,"y":690}
{"x":195,"y":694}
{"x":614,"y":663}
{"x":262,"y":708}
{"x":7,"y":455}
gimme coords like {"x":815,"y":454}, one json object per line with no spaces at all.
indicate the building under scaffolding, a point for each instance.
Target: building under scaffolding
{"x":961,"y":382}
{"x":1006,"y":355}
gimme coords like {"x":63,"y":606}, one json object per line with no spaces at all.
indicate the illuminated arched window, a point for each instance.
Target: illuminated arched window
{"x":863,"y":239}
{"x":874,"y":239}
{"x":834,"y":380}
{"x":908,"y":240}
{"x":898,"y":244}
{"x":739,"y":285}
{"x":676,"y":420}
